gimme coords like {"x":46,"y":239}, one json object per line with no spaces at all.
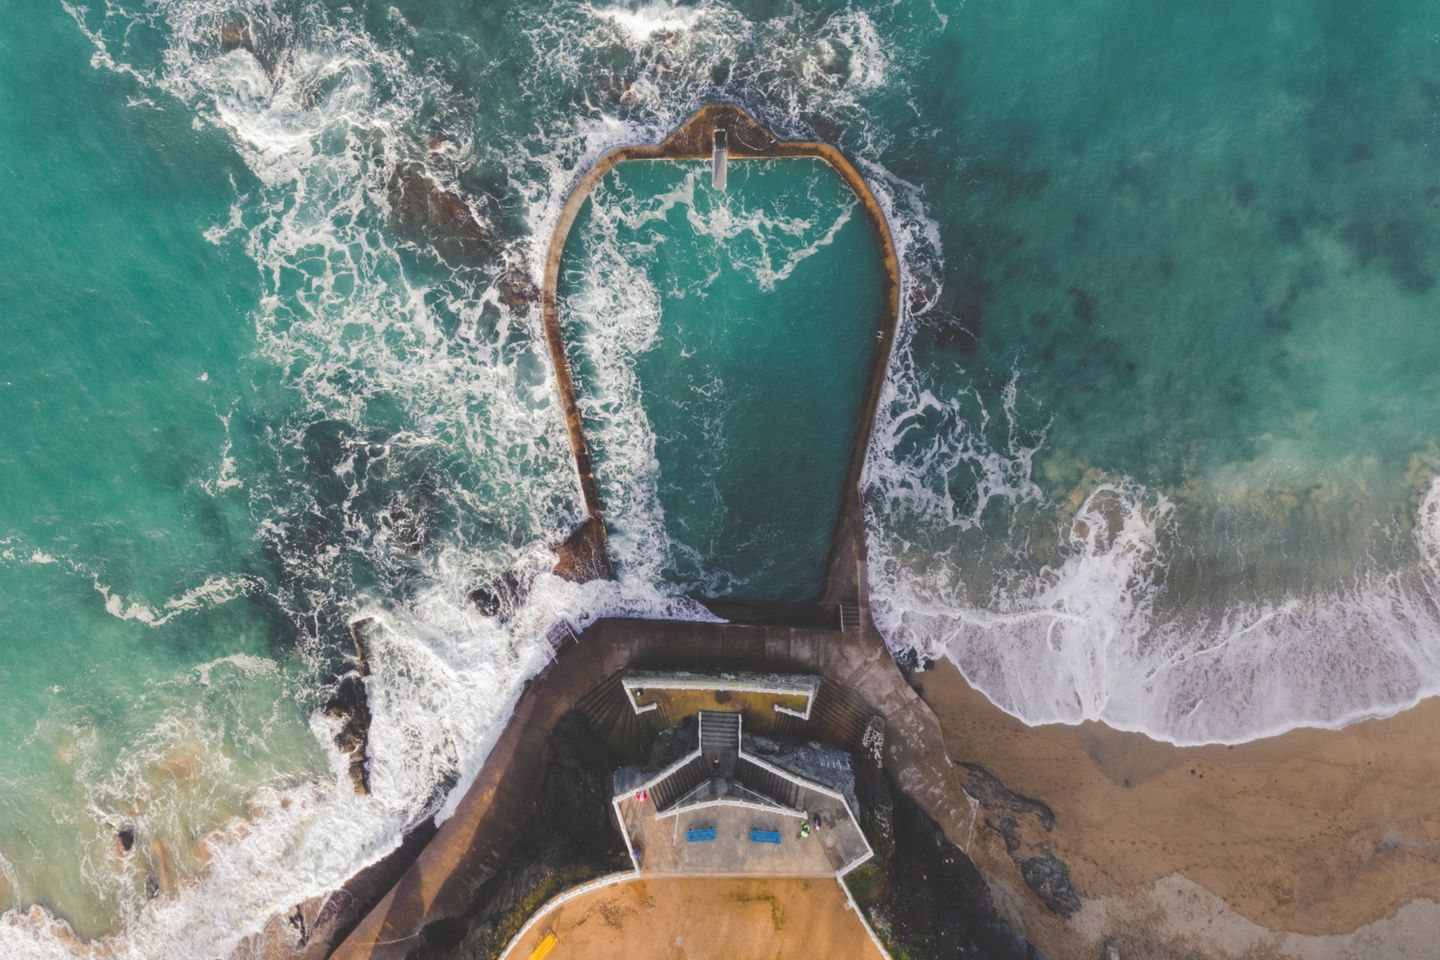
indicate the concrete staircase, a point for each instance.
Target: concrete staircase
{"x":674,"y":787}
{"x":625,"y":734}
{"x":720,"y":742}
{"x":766,"y":782}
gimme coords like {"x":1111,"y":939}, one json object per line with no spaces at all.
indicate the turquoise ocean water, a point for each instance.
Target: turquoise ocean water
{"x":1159,"y":443}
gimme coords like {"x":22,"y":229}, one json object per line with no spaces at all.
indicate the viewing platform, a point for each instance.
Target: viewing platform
{"x":723,"y":809}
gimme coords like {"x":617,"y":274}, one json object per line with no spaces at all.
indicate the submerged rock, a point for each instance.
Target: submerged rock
{"x":517,"y":290}
{"x":126,"y":836}
{"x":407,"y":519}
{"x":826,"y":127}
{"x":500,"y":598}
{"x":424,"y":211}
{"x":349,"y":703}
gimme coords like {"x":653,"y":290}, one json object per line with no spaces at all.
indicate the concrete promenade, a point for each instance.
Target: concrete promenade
{"x":472,"y":843}
{"x":747,"y":140}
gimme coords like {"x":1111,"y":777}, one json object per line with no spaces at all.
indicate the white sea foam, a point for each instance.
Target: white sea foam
{"x":1086,"y":640}
{"x":320,"y":120}
{"x":642,"y":22}
{"x":214,"y":591}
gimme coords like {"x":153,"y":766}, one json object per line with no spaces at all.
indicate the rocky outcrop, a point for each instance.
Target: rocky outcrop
{"x":583,"y":557}
{"x":425,"y":212}
{"x":1048,"y":876}
{"x":517,"y":290}
{"x":569,"y":838}
{"x":236,"y":35}
{"x":501,"y":597}
{"x":350,"y":704}
{"x":925,"y":898}
{"x":1024,"y":824}
{"x":240,"y":34}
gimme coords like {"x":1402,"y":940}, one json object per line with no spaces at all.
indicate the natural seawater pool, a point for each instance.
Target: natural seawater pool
{"x":725,"y":338}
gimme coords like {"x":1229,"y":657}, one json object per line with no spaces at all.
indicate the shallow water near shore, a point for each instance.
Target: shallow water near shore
{"x":1159,"y":445}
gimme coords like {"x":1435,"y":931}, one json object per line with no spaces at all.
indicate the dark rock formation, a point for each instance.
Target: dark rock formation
{"x":826,"y":127}
{"x":517,"y":291}
{"x":126,"y":836}
{"x":583,"y":557}
{"x":956,"y":321}
{"x":1048,"y":876}
{"x":994,"y":795}
{"x":926,"y":899}
{"x":350,"y":704}
{"x":239,"y":34}
{"x":407,"y":520}
{"x":500,"y":598}
{"x":1024,"y":824}
{"x":424,"y":211}
{"x":671,"y":744}
{"x":575,"y":787}
{"x":569,"y":838}
{"x":236,"y":35}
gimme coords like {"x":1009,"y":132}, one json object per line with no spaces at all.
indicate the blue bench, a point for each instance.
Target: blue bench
{"x":699,"y":834}
{"x":765,"y":836}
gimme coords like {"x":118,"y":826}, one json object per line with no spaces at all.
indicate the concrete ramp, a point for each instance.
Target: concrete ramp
{"x":717,"y":160}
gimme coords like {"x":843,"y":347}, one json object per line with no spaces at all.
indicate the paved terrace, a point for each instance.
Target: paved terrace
{"x":471,"y":844}
{"x":749,"y":919}
{"x":665,"y":851}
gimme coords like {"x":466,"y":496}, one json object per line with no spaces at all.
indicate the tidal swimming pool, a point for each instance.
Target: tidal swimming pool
{"x":721,"y":343}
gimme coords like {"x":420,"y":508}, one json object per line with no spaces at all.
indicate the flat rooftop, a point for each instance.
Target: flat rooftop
{"x":738,"y":919}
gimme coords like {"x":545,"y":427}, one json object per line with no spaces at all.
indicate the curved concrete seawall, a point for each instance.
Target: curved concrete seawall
{"x":746,"y":139}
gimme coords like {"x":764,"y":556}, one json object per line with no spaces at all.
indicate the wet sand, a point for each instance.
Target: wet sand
{"x":1307,"y":844}
{"x":736,"y":919}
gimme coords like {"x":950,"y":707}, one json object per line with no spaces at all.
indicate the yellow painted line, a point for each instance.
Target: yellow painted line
{"x":545,"y":947}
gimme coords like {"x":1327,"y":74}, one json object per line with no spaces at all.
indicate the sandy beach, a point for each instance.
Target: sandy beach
{"x":1311,"y":844}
